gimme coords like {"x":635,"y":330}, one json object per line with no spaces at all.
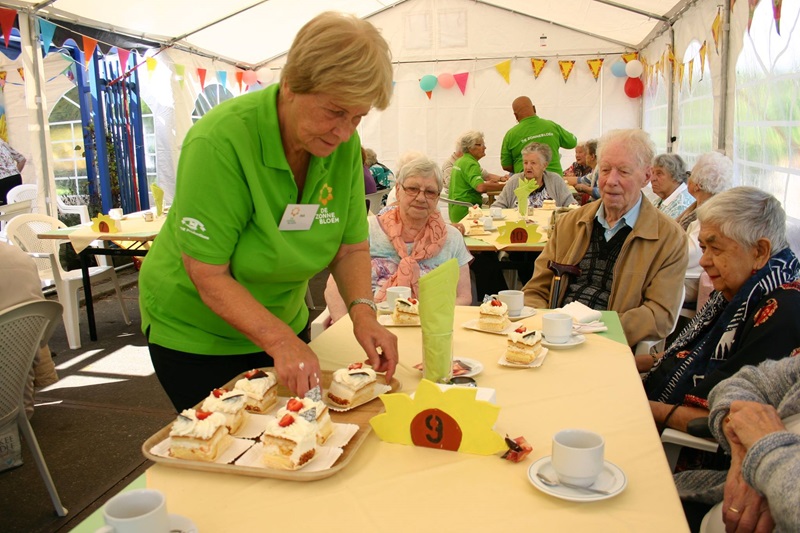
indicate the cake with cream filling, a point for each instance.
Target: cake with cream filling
{"x":198,"y":435}
{"x":549,"y":204}
{"x":475,"y":227}
{"x":290,"y":441}
{"x":261,"y":389}
{"x":523,"y":346}
{"x":406,"y":311}
{"x":475,"y":213}
{"x":353,"y":385}
{"x":493,"y":315}
{"x":302,"y":406}
{"x":229,"y":404}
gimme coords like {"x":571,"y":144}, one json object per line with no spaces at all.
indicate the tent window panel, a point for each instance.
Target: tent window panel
{"x":419,"y":31}
{"x":655,"y":113}
{"x":696,"y":108}
{"x":452,"y":29}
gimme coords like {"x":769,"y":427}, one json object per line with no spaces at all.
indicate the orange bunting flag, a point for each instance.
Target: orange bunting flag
{"x":239,"y":74}
{"x":776,"y":14}
{"x":595,"y":65}
{"x":703,"y":51}
{"x":21,"y":72}
{"x":7,"y":18}
{"x":716,"y":26}
{"x":630,"y":56}
{"x":89,"y":45}
{"x":3,"y":75}
{"x":180,"y":72}
{"x":201,"y":73}
{"x":566,"y":68}
{"x":461,"y":81}
{"x":504,"y":68}
{"x":538,"y":66}
{"x":691,"y":73}
{"x":752,"y":4}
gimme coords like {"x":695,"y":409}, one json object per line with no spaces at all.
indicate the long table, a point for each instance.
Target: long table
{"x":488,"y":243}
{"x":391,"y":487}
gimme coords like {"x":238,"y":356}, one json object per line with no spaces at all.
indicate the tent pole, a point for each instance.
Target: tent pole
{"x":671,"y":94}
{"x":722,"y":134}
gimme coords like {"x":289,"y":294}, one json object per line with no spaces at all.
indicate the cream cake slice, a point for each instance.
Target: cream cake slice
{"x":523,"y":346}
{"x":289,"y":441}
{"x":303,"y":407}
{"x":493,"y":315}
{"x":230,"y":404}
{"x":198,"y":435}
{"x":261,"y":389}
{"x":353,"y":385}
{"x":475,"y":212}
{"x":406,"y":311}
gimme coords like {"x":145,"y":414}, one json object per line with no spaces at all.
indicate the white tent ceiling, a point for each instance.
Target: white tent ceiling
{"x":250,"y":33}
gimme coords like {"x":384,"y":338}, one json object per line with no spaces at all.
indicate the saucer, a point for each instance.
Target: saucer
{"x":473,"y":325}
{"x":388,"y":321}
{"x":525,"y":313}
{"x":574,"y":341}
{"x":612,"y":479}
{"x":182,"y":524}
{"x":536,"y":363}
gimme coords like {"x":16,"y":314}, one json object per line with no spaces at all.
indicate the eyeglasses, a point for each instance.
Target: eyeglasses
{"x":414,"y":192}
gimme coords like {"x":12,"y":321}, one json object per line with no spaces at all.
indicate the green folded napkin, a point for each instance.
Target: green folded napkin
{"x":437,"y":306}
{"x":158,"y":196}
{"x":526,"y":187}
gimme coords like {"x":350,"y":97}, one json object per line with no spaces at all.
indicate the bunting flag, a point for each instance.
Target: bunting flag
{"x":691,"y":73}
{"x":461,"y":80}
{"x":123,"y":56}
{"x":21,"y":72}
{"x":46,"y":29}
{"x":429,"y":93}
{"x":630,"y":56}
{"x":538,"y":66}
{"x":7,"y":18}
{"x":595,"y":65}
{"x":3,"y":75}
{"x":566,"y":67}
{"x":222,"y":76}
{"x":776,"y":14}
{"x":89,"y":45}
{"x":201,"y":73}
{"x":681,"y":72}
{"x":504,"y":69}
{"x":180,"y":72}
{"x":240,"y":74}
{"x":752,"y":4}
{"x":703,"y":51}
{"x":732,"y":4}
{"x":715,"y":28}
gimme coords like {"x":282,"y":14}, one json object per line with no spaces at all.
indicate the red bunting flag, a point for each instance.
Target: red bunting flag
{"x":201,"y":73}
{"x":752,"y":6}
{"x":123,"y":56}
{"x":776,"y":14}
{"x":89,"y":45}
{"x":7,"y":18}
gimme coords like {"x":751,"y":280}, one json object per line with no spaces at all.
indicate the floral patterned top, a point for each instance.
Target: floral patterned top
{"x":8,"y":160}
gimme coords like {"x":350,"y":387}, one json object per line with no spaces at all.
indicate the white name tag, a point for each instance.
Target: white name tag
{"x":298,"y":217}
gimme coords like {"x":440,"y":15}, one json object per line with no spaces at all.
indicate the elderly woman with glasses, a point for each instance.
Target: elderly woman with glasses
{"x":668,"y":180}
{"x":542,"y":185}
{"x":466,"y":178}
{"x":410,"y":240}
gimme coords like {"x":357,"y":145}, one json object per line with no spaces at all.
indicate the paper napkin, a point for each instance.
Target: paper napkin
{"x":437,"y":305}
{"x":581,"y":313}
{"x":158,"y":197}
{"x":526,"y":187}
{"x":591,"y":327}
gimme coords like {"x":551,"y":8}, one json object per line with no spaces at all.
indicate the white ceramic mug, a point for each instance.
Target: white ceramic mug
{"x":578,"y":456}
{"x":488,"y":223}
{"x":496,"y":212}
{"x":115,"y":213}
{"x":136,"y":511}
{"x":515,"y":300}
{"x":557,"y":327}
{"x":393,"y":293}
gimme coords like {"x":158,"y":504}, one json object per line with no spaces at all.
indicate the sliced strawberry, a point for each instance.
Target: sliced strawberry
{"x":355,"y":366}
{"x":218,"y":392}
{"x":294,"y":405}
{"x":255,"y":374}
{"x":521,"y":329}
{"x":518,"y":449}
{"x":202,"y":415}
{"x":287,"y":420}
{"x":496,"y":303}
{"x":413,"y":300}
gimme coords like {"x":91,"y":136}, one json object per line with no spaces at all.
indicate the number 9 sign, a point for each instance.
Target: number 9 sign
{"x":433,"y":428}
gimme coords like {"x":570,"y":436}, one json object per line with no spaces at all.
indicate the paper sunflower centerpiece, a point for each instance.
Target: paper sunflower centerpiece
{"x":518,"y":232}
{"x":105,"y":224}
{"x":448,"y":420}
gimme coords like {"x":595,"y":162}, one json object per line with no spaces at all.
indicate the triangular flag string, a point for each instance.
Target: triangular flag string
{"x":630,"y":56}
{"x":715,"y":29}
{"x":566,"y":67}
{"x":776,"y":14}
{"x":46,"y":29}
{"x":3,"y":75}
{"x":123,"y":58}
{"x":504,"y":69}
{"x":703,"y":52}
{"x":180,"y":72}
{"x":239,"y":75}
{"x":752,"y":4}
{"x":7,"y":18}
{"x":201,"y":73}
{"x":461,"y":80}
{"x":691,"y":73}
{"x":89,"y":45}
{"x":595,"y":66}
{"x":537,"y":65}
{"x":222,"y":76}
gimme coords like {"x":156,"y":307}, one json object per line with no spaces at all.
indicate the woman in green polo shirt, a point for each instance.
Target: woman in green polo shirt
{"x":466,"y":178}
{"x":270,"y":191}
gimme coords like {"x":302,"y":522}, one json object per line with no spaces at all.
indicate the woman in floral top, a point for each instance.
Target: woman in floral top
{"x":11,"y":164}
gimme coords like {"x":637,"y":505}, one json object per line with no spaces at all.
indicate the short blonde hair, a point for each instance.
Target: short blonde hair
{"x":343,"y":56}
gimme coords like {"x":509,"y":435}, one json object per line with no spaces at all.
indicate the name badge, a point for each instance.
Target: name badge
{"x":298,"y":217}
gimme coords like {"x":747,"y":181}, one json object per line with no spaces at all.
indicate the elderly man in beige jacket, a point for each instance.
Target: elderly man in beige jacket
{"x":632,"y":258}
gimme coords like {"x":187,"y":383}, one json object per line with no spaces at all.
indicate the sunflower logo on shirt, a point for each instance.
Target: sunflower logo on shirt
{"x":325,"y":194}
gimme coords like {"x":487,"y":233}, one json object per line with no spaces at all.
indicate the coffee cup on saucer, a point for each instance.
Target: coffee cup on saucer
{"x":577,"y":456}
{"x":488,"y":223}
{"x":496,"y":212}
{"x":515,"y":300}
{"x":557,"y":327}
{"x":136,"y":511}
{"x":393,"y":293}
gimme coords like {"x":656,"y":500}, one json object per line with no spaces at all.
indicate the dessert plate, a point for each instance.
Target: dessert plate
{"x":179,"y":523}
{"x":574,"y":341}
{"x":384,"y":306}
{"x":475,"y":367}
{"x":536,"y":363}
{"x":388,"y":321}
{"x":480,"y":233}
{"x":612,"y":479}
{"x":501,"y":217}
{"x":473,"y":324}
{"x":525,"y":313}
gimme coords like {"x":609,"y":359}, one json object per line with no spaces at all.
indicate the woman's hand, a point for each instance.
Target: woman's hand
{"x":743,"y":509}
{"x":296,"y":365}
{"x":372,"y":336}
{"x":747,"y":422}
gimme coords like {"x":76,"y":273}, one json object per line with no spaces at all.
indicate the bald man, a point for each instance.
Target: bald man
{"x":530,"y":128}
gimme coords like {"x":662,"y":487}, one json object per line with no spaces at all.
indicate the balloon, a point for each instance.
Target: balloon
{"x":618,"y":69}
{"x":634,"y":68}
{"x":249,"y":77}
{"x":634,"y":87}
{"x":446,"y":80}
{"x":428,"y":82}
{"x":265,"y":76}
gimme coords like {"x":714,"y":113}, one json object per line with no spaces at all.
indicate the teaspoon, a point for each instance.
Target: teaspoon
{"x":552,"y":483}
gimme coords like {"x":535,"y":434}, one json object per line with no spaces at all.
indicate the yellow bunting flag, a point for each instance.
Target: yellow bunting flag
{"x":180,"y":73}
{"x":595,"y":65}
{"x":3,"y":75}
{"x":681,"y":72}
{"x":504,"y":69}
{"x":716,"y":26}
{"x":538,"y":66}
{"x":703,"y":51}
{"x":21,"y":73}
{"x":630,"y":56}
{"x":691,"y":73}
{"x":566,"y":69}
{"x":151,"y":65}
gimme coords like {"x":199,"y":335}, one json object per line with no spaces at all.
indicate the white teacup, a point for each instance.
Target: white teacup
{"x":136,"y":511}
{"x":578,"y":456}
{"x":393,"y":293}
{"x":515,"y":300}
{"x":115,"y":213}
{"x":496,"y":212}
{"x":557,"y":327}
{"x":488,"y":223}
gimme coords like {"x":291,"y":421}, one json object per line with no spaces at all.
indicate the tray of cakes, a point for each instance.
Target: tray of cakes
{"x":253,"y":426}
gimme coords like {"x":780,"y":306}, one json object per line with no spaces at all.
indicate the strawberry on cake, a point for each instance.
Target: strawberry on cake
{"x":322,"y":416}
{"x":406,"y":311}
{"x":198,"y":435}
{"x":523,"y":346}
{"x":353,"y":385}
{"x":493,"y":316}
{"x":290,"y":441}
{"x":475,"y":227}
{"x":261,"y":389}
{"x":228,"y":403}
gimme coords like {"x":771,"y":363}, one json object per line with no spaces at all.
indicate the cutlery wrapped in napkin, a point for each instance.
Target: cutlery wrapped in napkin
{"x":437,"y":305}
{"x":591,"y":327}
{"x":158,"y":197}
{"x":581,"y":313}
{"x":526,"y":187}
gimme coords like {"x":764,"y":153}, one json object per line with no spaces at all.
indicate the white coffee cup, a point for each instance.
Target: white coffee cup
{"x":115,"y":213}
{"x":578,"y":456}
{"x":496,"y":212}
{"x":557,"y":327}
{"x":393,"y":293}
{"x":515,"y":300}
{"x":136,"y":511}
{"x":488,"y":223}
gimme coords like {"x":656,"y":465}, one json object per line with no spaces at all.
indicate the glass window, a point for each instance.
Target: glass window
{"x":655,"y":111}
{"x":695,"y":107}
{"x":208,"y":98}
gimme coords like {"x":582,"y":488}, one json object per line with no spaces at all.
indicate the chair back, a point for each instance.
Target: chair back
{"x":66,"y":209}
{"x":20,"y":193}
{"x":23,"y":231}
{"x":23,"y":329}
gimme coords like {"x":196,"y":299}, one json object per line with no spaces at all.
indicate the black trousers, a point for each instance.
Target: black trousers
{"x":8,"y":183}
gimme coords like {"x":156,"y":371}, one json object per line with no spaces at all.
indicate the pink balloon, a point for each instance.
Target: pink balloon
{"x":446,"y":80}
{"x":634,"y":87}
{"x":249,"y":77}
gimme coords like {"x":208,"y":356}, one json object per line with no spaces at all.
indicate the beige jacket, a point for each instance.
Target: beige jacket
{"x":648,"y":277}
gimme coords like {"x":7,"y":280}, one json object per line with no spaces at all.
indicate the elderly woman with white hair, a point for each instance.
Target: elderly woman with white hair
{"x":542,"y":185}
{"x":668,"y":180}
{"x":466,"y":179}
{"x":750,"y":316}
{"x":409,"y":241}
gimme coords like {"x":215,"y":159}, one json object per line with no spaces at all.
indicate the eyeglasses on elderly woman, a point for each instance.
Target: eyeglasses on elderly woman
{"x":430,"y":194}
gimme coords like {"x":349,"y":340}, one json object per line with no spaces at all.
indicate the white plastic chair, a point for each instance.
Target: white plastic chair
{"x":23,"y":328}
{"x":80,"y":210}
{"x":646,"y":345}
{"x":674,"y":440}
{"x":20,"y":193}
{"x":23,"y":231}
{"x":319,"y":324}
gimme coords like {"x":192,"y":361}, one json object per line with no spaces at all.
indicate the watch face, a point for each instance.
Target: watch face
{"x":463,"y":381}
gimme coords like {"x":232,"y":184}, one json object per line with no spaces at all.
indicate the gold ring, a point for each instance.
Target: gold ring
{"x":733,"y":510}
{"x":301,"y":366}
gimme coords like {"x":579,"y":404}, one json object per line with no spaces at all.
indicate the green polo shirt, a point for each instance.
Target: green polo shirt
{"x":535,"y":129}
{"x":464,"y":178}
{"x":233,"y":187}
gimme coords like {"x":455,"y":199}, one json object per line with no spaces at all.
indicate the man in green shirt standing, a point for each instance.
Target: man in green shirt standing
{"x":530,"y":128}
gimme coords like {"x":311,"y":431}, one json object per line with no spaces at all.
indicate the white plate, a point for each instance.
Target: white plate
{"x":476,"y":366}
{"x":612,"y":479}
{"x":388,"y":321}
{"x":574,"y":341}
{"x":501,"y":217}
{"x":536,"y":363}
{"x":384,"y":306}
{"x":473,"y":324}
{"x":181,"y":523}
{"x":525,"y":313}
